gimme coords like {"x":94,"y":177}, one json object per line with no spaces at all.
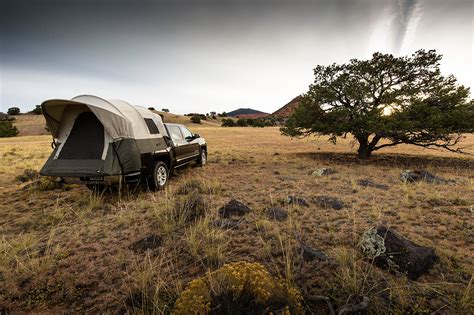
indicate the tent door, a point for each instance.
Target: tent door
{"x":86,"y":139}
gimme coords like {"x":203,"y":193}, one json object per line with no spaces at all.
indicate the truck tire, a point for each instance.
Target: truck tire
{"x":202,"y":157}
{"x":159,"y":177}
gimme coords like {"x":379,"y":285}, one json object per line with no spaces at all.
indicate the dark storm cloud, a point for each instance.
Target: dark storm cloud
{"x":198,"y":55}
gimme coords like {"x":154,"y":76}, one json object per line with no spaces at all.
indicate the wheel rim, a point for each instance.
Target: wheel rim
{"x":203,"y":157}
{"x":161,"y":175}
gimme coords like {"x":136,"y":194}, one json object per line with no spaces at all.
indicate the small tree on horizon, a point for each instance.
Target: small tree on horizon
{"x":385,"y":101}
{"x":13,"y":111}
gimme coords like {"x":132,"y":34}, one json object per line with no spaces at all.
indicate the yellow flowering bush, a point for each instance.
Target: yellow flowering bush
{"x":239,"y":287}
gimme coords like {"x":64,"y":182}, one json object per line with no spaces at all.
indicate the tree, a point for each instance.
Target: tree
{"x":385,"y":101}
{"x":228,"y":123}
{"x":196,"y":119}
{"x":242,"y":122}
{"x":165,"y":110}
{"x":13,"y":111}
{"x":37,"y":110}
{"x":7,"y":129}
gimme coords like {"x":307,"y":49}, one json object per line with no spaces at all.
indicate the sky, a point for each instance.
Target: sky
{"x":201,"y":56}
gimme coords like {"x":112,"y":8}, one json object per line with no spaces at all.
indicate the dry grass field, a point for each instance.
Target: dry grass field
{"x":69,"y":250}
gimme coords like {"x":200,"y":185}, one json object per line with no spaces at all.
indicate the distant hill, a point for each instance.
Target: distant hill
{"x":288,"y":109}
{"x":246,"y":113}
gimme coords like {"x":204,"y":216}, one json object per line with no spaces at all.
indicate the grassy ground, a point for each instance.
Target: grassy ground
{"x":68,"y":249}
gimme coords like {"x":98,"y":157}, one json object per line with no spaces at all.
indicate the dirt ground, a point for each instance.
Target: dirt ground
{"x":68,"y":249}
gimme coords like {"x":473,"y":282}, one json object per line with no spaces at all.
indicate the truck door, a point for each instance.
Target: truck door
{"x":193,"y":143}
{"x":180,"y":144}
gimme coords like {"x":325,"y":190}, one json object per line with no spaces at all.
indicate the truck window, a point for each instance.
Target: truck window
{"x":186,"y":133}
{"x":175,"y":133}
{"x":152,"y":128}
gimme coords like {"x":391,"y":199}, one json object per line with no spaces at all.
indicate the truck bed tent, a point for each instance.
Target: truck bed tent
{"x":97,"y":137}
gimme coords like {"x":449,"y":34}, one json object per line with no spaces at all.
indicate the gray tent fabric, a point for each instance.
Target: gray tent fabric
{"x":96,"y":137}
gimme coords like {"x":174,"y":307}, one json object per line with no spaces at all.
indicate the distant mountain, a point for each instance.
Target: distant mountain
{"x":246,"y":113}
{"x":288,"y":109}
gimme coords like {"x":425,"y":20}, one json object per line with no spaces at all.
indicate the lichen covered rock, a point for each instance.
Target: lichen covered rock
{"x":391,"y":251}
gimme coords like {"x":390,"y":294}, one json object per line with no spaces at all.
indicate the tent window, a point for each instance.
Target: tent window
{"x":152,"y":128}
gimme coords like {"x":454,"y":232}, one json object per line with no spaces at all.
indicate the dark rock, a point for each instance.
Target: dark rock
{"x":422,"y":175}
{"x":329,"y":202}
{"x":150,"y":242}
{"x":277,"y":214}
{"x":369,"y":183}
{"x":295,"y":200}
{"x":232,"y":208}
{"x":226,"y":224}
{"x":311,"y":253}
{"x":391,"y":251}
{"x":325,"y":171}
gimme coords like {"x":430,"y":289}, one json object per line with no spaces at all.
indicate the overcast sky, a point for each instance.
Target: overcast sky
{"x":200,"y":56}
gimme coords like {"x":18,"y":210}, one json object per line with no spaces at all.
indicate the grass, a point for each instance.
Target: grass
{"x":74,"y":244}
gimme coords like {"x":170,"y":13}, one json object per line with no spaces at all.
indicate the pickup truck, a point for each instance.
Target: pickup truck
{"x":97,"y":141}
{"x":183,"y":148}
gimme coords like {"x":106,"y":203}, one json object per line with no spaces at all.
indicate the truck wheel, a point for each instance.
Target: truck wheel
{"x":202,"y":158}
{"x":159,"y":177}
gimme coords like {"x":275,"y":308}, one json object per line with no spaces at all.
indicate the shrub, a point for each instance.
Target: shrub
{"x":189,"y":208}
{"x":7,"y":129}
{"x":191,"y":186}
{"x":239,"y":288}
{"x":6,"y":117}
{"x":228,"y":123}
{"x":37,"y":110}
{"x":13,"y":111}
{"x":195,"y":119}
{"x":242,"y":122}
{"x":165,"y":110}
{"x":214,"y":117}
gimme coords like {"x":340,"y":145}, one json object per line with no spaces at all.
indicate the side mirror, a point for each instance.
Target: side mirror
{"x":196,"y":135}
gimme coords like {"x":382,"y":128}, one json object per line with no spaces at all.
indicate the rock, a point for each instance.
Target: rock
{"x":325,"y":171}
{"x":311,"y":253}
{"x":422,"y":175}
{"x":295,"y":200}
{"x":277,"y":214}
{"x":150,"y":242}
{"x":232,"y":208}
{"x":226,"y":224}
{"x":391,"y":251}
{"x":329,"y":202}
{"x":369,"y":183}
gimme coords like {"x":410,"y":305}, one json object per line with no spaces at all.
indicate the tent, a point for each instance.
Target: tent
{"x":98,"y":137}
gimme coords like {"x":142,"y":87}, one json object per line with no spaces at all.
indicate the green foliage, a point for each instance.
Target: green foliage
{"x":7,"y":129}
{"x":223,"y":114}
{"x":399,"y":99}
{"x":13,"y":111}
{"x":228,"y":123}
{"x":196,"y":119}
{"x":242,"y":122}
{"x":165,"y":110}
{"x":37,"y":110}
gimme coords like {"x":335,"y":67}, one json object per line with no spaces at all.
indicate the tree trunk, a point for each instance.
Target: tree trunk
{"x":364,"y":150}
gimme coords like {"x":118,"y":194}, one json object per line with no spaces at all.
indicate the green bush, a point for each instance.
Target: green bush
{"x":242,"y":122}
{"x":13,"y":111}
{"x":38,"y":110}
{"x":228,"y":123}
{"x":196,"y":119}
{"x":7,"y":129}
